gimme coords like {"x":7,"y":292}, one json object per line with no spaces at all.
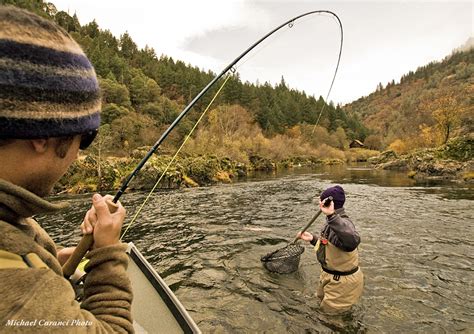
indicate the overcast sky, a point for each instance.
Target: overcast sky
{"x":382,"y":40}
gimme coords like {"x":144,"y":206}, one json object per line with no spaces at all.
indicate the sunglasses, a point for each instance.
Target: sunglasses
{"x":87,"y":139}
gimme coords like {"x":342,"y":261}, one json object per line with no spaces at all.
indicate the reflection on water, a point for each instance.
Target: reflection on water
{"x":416,"y":252}
{"x":362,"y":174}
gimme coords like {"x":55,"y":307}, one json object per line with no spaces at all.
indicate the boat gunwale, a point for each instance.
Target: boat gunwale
{"x":181,"y":315}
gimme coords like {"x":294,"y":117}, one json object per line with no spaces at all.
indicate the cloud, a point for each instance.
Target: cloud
{"x":169,"y":26}
{"x":382,"y":40}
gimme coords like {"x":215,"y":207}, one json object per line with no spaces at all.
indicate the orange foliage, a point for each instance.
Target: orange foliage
{"x":429,"y":136}
{"x":446,"y":112}
{"x":231,"y":132}
{"x":398,"y":146}
{"x":294,"y":132}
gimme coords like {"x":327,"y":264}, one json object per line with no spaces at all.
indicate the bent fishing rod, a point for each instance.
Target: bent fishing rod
{"x":87,"y":240}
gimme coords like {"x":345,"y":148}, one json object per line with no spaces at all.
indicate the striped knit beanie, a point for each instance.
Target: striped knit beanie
{"x":48,"y":87}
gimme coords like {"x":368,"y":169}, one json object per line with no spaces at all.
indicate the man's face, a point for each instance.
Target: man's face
{"x":54,"y":165}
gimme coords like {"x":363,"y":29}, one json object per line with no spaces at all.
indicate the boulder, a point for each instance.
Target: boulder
{"x":399,"y":164}
{"x":384,"y":157}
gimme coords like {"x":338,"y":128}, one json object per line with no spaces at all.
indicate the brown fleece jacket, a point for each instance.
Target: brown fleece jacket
{"x":41,"y":300}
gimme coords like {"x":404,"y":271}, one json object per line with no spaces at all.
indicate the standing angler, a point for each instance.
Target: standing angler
{"x":49,"y":110}
{"x":341,"y":281}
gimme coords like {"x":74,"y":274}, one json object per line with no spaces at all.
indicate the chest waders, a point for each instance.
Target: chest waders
{"x":320,"y":248}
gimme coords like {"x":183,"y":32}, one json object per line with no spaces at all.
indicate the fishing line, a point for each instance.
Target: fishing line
{"x":334,"y":77}
{"x":209,"y":85}
{"x":174,"y":157}
{"x":290,"y":25}
{"x":86,"y":242}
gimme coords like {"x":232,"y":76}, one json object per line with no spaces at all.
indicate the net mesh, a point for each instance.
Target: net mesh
{"x":284,"y":260}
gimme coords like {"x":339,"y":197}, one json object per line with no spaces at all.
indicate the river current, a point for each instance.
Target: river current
{"x":417,"y":251}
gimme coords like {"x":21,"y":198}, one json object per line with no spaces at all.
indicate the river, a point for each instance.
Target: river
{"x":416,"y":253}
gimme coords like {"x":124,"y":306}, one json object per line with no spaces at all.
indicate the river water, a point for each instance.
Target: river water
{"x":416,"y":253}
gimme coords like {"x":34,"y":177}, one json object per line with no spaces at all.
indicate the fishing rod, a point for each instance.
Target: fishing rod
{"x":209,"y":85}
{"x":87,"y":240}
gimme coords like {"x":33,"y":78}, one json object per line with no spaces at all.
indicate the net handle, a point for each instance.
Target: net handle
{"x":327,"y":202}
{"x":309,"y":224}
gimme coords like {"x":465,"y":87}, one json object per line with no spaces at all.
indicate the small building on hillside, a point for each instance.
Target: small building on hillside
{"x":356,"y":144}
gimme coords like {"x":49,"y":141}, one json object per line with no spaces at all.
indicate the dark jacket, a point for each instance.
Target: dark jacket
{"x":340,"y":231}
{"x":336,"y":246}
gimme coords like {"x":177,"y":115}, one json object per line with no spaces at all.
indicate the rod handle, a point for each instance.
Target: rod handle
{"x":83,"y":247}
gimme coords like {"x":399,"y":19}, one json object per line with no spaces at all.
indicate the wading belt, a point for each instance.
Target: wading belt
{"x":338,"y":274}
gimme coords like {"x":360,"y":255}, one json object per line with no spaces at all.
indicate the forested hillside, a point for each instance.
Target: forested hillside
{"x":425,"y":109}
{"x":143,"y":93}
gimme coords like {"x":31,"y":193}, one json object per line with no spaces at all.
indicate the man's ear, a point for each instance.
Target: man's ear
{"x":40,"y":145}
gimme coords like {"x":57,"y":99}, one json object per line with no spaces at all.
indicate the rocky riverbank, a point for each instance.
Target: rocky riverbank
{"x":89,"y":174}
{"x":452,"y":161}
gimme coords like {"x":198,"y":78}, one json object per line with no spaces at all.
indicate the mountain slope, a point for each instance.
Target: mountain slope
{"x":428,"y":105}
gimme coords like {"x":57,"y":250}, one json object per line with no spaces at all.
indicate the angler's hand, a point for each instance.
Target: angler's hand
{"x":327,"y":210}
{"x":64,"y":254}
{"x":306,"y":236}
{"x":105,"y":225}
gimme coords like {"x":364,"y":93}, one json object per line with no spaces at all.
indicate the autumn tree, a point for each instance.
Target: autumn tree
{"x":447,"y":111}
{"x":399,"y":146}
{"x":339,"y":138}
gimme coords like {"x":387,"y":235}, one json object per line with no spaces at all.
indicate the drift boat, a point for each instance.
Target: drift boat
{"x":155,"y":308}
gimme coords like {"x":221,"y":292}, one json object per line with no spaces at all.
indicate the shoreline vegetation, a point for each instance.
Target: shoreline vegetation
{"x":189,"y":171}
{"x":452,"y":161}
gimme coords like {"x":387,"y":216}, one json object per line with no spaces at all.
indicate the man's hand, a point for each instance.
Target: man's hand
{"x":306,"y":236}
{"x":105,"y":225}
{"x":327,"y":210}
{"x":64,"y":254}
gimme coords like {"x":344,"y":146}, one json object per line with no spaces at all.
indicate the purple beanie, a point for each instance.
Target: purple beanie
{"x":337,"y":194}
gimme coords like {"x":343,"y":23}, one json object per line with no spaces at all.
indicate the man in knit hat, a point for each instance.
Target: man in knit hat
{"x":49,"y":110}
{"x":341,"y":280}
